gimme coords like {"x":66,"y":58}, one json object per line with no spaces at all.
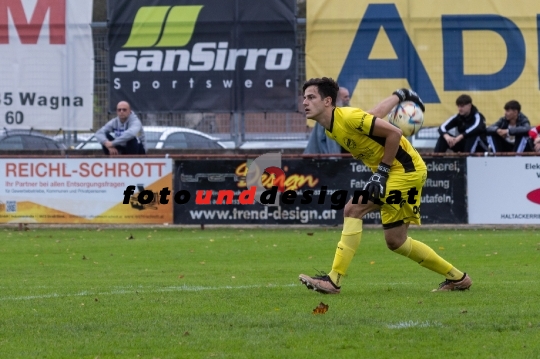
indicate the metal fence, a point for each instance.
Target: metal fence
{"x":237,"y":127}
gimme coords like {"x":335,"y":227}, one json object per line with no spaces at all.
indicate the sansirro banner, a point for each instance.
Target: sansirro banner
{"x":46,"y":64}
{"x":203,"y":55}
{"x":487,"y":49}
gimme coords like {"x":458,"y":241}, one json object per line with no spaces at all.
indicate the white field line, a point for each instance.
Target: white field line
{"x":139,"y":290}
{"x":413,"y":324}
{"x":184,"y":288}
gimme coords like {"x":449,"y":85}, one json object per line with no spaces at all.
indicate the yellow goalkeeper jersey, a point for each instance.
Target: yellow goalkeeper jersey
{"x":352,"y":128}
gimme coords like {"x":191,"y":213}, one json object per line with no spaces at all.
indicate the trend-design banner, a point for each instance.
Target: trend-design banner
{"x":316,"y":186}
{"x":83,"y":190}
{"x":46,"y":64}
{"x":488,"y":49}
{"x":204,"y":55}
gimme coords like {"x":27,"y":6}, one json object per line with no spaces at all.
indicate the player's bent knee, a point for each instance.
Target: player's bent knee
{"x":359,"y":210}
{"x":395,"y":234}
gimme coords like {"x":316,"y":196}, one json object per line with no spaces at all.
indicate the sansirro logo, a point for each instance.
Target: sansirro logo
{"x":172,"y":27}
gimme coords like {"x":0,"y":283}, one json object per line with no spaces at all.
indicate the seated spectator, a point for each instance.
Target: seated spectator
{"x":471,"y":129}
{"x":534,"y":138}
{"x":128,"y":133}
{"x":511,"y":132}
{"x":318,"y":142}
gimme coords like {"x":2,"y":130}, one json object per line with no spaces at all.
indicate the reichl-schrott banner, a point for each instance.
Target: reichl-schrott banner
{"x":46,"y":64}
{"x":57,"y":190}
{"x":443,"y":196}
{"x":205,"y":55}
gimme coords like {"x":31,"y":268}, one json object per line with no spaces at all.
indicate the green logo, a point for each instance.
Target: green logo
{"x":163,"y":26}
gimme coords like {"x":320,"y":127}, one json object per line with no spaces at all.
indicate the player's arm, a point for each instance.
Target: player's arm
{"x":384,"y":107}
{"x":392,"y":136}
{"x":376,"y":185}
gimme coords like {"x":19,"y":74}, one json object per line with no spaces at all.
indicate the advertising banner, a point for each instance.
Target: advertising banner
{"x":444,"y":199}
{"x":503,"y":190}
{"x":488,"y":49}
{"x":84,"y":190}
{"x":47,"y":64}
{"x":207,"y":55}
{"x":322,"y":188}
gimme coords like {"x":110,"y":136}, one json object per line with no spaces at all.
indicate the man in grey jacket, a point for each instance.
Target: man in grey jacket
{"x":128,"y":133}
{"x":511,"y":132}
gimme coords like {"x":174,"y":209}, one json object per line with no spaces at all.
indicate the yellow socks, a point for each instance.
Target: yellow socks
{"x":349,"y":242}
{"x":426,"y":257}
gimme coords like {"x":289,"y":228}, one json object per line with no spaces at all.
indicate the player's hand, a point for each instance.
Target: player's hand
{"x":376,"y":185}
{"x":409,"y":95}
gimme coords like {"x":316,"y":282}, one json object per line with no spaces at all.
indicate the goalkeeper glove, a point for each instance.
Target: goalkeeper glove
{"x":409,"y":95}
{"x":376,"y":185}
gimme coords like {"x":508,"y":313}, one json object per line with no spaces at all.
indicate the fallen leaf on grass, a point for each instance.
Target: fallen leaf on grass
{"x":321,"y":308}
{"x":181,"y":276}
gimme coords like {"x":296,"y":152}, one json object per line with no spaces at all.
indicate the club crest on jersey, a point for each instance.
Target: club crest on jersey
{"x":350,"y":143}
{"x":364,"y":153}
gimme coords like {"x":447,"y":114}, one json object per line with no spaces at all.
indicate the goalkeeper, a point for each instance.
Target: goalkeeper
{"x":394,"y":189}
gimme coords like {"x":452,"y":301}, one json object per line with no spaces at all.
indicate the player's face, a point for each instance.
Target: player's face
{"x":314,"y":104}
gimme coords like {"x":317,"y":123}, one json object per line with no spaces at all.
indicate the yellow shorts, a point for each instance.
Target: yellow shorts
{"x":402,"y":201}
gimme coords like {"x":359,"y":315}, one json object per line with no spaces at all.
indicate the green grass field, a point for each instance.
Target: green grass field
{"x":234,"y":293}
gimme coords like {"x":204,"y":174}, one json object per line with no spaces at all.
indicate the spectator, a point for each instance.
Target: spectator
{"x":128,"y":132}
{"x":535,"y":139}
{"x":510,"y":133}
{"x":471,"y":129}
{"x":318,"y":142}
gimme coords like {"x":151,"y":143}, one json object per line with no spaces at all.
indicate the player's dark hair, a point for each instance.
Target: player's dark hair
{"x":513,"y":105}
{"x":463,"y":100}
{"x":326,"y":87}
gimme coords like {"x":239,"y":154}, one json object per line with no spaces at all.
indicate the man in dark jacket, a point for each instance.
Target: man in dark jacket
{"x":471,"y":129}
{"x":511,"y":132}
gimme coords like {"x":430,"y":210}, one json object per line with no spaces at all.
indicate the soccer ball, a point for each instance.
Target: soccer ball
{"x":408,"y":117}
